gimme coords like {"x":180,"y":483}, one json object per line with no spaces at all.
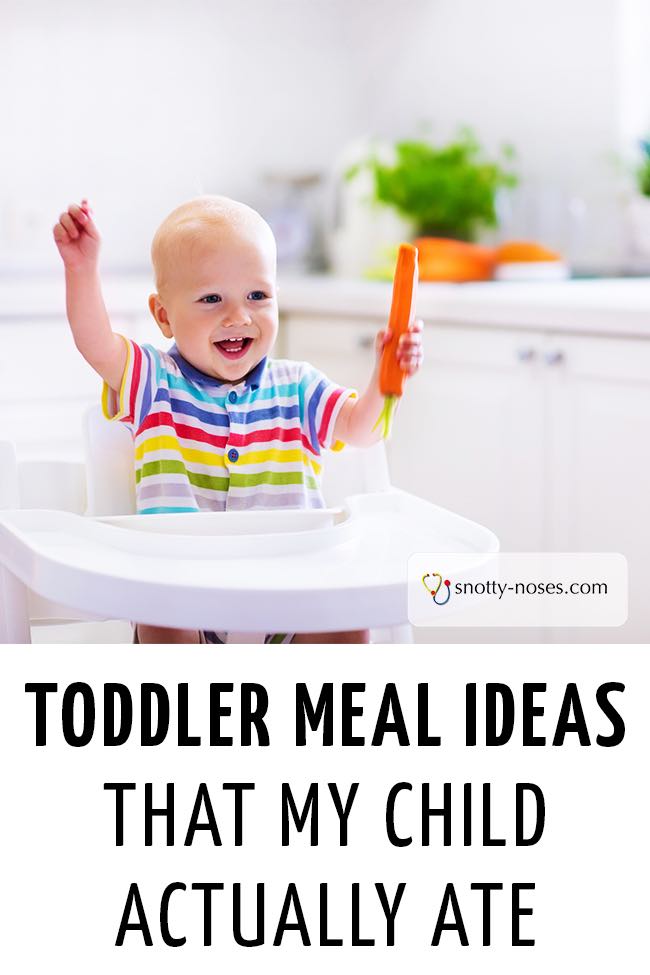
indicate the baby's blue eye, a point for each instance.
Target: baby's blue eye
{"x":211,"y":299}
{"x":257,"y":295}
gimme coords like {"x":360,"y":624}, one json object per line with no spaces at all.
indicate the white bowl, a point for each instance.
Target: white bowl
{"x":532,"y":271}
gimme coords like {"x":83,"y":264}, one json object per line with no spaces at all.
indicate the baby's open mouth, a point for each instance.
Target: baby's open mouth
{"x":233,"y":348}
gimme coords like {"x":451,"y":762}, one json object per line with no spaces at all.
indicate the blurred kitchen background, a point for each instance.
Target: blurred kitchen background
{"x":532,"y":414}
{"x":140,"y":103}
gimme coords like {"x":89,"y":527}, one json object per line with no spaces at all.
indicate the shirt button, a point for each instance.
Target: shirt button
{"x":233,"y":455}
{"x":232,"y":396}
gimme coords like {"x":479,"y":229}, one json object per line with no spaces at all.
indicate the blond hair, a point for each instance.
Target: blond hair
{"x":188,"y":224}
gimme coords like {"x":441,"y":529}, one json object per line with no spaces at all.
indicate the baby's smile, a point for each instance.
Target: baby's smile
{"x":233,"y":348}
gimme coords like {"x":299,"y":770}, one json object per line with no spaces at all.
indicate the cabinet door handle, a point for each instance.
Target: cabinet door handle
{"x":526,"y":353}
{"x":366,"y":342}
{"x":554,"y":358}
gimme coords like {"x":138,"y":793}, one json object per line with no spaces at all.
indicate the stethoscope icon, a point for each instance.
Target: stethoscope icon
{"x":434,"y":590}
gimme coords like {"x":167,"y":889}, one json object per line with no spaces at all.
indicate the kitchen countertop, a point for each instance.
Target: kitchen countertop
{"x":619,"y":306}
{"x":605,"y":306}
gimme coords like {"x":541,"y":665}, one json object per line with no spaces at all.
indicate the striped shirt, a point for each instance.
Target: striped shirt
{"x":206,"y":445}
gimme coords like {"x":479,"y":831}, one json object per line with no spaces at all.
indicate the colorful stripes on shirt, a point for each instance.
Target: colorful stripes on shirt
{"x":205,"y":445}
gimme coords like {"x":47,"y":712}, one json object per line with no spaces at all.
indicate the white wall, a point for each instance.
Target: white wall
{"x":140,"y":104}
{"x":634,"y":77}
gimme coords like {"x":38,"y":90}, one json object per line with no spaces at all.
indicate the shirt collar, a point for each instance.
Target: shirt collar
{"x":252,"y":379}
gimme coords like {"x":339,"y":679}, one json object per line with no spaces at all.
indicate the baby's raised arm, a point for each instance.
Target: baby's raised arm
{"x":78,"y":242}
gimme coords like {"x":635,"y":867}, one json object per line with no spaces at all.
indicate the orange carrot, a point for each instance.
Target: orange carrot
{"x":391,"y":376}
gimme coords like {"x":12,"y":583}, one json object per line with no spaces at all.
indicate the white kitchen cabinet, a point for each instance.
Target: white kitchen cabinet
{"x":598,"y":407}
{"x":46,"y":385}
{"x":343,"y":351}
{"x":543,"y":437}
{"x":468,"y":431}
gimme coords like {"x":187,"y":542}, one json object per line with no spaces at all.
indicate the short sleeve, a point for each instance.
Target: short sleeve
{"x":322,"y":401}
{"x":138,"y":388}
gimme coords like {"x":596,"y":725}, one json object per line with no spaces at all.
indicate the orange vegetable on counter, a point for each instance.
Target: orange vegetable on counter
{"x":446,"y":259}
{"x":515,"y":251}
{"x":402,"y":309}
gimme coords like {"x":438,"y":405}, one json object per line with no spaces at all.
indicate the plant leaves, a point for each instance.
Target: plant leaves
{"x":447,"y":191}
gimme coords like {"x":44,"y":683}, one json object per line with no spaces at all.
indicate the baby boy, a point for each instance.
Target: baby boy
{"x":217,"y":424}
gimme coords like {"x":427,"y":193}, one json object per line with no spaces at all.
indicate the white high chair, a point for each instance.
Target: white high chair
{"x":343,"y":567}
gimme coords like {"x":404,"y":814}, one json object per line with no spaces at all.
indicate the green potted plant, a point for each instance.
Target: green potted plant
{"x":447,"y":191}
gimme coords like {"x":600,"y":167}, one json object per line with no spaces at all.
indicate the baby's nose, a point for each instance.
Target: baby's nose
{"x":236,"y":316}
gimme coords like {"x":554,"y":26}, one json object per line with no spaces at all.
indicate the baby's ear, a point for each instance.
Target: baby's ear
{"x":160,"y":315}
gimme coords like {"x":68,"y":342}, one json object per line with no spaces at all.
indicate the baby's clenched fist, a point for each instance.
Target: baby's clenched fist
{"x":77,"y":237}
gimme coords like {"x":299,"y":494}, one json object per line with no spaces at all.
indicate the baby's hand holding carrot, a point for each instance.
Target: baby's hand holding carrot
{"x":409,"y":348}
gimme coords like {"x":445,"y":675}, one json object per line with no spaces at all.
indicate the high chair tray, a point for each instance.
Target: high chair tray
{"x":277,"y":571}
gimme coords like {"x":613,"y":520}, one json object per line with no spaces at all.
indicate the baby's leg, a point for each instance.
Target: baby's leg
{"x":164,"y":634}
{"x":345,"y":636}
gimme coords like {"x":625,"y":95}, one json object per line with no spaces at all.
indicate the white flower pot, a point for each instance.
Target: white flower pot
{"x":366,"y":240}
{"x":364,"y":232}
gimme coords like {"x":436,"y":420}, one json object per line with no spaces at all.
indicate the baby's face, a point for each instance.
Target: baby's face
{"x":220,"y":303}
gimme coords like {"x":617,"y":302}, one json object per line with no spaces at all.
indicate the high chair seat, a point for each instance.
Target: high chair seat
{"x":339,"y":568}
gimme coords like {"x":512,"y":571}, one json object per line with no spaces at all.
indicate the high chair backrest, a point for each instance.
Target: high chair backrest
{"x":111,"y":486}
{"x":354,"y":470}
{"x":108,"y":450}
